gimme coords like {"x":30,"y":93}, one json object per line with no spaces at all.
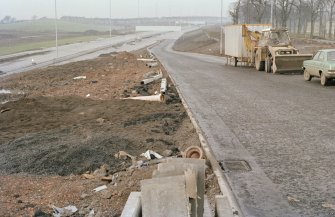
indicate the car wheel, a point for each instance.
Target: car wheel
{"x":324,"y":79}
{"x":307,"y":76}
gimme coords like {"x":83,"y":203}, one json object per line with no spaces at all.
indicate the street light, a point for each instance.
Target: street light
{"x":56,"y":28}
{"x":221,"y":36}
{"x":110,"y":20}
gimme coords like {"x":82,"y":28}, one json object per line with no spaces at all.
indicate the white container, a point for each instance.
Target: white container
{"x":234,"y":41}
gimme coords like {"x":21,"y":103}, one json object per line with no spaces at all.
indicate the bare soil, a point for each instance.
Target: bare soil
{"x":205,"y":41}
{"x":311,"y":46}
{"x":54,"y":129}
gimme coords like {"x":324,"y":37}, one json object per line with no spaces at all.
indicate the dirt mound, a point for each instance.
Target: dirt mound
{"x":106,"y":78}
{"x":205,"y":41}
{"x":71,"y":135}
{"x":309,"y":46}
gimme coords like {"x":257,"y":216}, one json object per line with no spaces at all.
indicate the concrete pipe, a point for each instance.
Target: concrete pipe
{"x":194,"y":152}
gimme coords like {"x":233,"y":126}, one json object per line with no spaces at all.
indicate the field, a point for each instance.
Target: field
{"x":39,"y":34}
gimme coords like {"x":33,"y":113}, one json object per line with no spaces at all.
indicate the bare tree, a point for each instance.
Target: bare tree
{"x":314,"y":7}
{"x":301,"y":9}
{"x":331,"y":4}
{"x":234,"y":12}
{"x":8,"y":19}
{"x":260,"y":7}
{"x":285,"y":8}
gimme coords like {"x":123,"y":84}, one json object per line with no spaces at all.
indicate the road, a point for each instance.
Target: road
{"x":282,"y":126}
{"x":82,"y":51}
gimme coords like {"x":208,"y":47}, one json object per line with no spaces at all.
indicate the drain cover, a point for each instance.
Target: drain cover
{"x":235,"y":166}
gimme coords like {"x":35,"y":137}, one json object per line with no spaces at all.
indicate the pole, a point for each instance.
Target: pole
{"x":138,"y":9}
{"x":110,"y":20}
{"x":221,"y":36}
{"x":56,"y":28}
{"x":156,"y":8}
{"x":271,"y":21}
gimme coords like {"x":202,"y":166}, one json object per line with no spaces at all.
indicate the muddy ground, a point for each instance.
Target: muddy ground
{"x":54,"y":129}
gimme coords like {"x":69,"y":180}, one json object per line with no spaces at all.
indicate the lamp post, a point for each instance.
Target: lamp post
{"x":56,"y":28}
{"x":110,"y":20}
{"x":221,"y":34}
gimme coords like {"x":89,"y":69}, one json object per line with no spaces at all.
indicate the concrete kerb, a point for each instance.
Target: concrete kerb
{"x":222,"y":180}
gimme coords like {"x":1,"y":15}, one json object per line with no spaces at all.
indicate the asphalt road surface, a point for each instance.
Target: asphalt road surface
{"x":83,"y":51}
{"x":282,"y":126}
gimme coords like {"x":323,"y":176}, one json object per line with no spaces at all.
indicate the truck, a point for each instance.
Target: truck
{"x":263,"y":47}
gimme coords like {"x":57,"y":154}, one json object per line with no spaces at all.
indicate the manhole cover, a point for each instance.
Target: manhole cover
{"x":235,"y":166}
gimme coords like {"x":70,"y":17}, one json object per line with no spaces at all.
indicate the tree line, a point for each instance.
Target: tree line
{"x":313,"y":18}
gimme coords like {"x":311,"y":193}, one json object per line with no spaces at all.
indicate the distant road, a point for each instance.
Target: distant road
{"x":282,"y":126}
{"x":83,"y":51}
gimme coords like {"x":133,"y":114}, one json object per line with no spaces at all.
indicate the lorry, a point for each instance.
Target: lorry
{"x":264,"y":47}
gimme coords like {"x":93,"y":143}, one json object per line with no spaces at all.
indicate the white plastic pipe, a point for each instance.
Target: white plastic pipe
{"x":151,"y":65}
{"x":153,"y":98}
{"x":146,"y":60}
{"x":163,"y":85}
{"x":149,"y":80}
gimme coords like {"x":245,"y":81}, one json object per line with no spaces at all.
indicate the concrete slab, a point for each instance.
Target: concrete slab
{"x":178,"y":166}
{"x":163,"y":197}
{"x":133,"y":206}
{"x":208,"y":211}
{"x":222,"y":207}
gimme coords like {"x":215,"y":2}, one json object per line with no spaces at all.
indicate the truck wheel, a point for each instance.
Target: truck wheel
{"x":324,"y":79}
{"x":260,"y":65}
{"x":307,"y":76}
{"x":267,"y":65}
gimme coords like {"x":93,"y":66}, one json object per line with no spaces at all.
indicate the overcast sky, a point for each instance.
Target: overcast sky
{"x":25,"y":9}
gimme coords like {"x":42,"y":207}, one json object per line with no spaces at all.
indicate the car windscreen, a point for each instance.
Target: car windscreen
{"x":331,"y":56}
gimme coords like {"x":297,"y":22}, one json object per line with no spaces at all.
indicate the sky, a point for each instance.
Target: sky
{"x":25,"y":9}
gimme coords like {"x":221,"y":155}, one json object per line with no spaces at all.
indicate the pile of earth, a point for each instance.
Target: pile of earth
{"x":204,"y":41}
{"x":55,"y":128}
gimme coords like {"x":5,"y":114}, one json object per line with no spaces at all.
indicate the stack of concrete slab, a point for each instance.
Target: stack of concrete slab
{"x":177,"y":189}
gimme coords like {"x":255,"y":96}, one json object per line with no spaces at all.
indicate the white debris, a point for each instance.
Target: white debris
{"x":65,"y":211}
{"x":151,"y":65}
{"x":148,"y":154}
{"x":88,"y":95}
{"x":103,"y":187}
{"x":91,"y":214}
{"x":146,"y":60}
{"x":149,"y":80}
{"x":163,"y":85}
{"x":153,"y":98}
{"x":3,"y":91}
{"x":79,"y":78}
